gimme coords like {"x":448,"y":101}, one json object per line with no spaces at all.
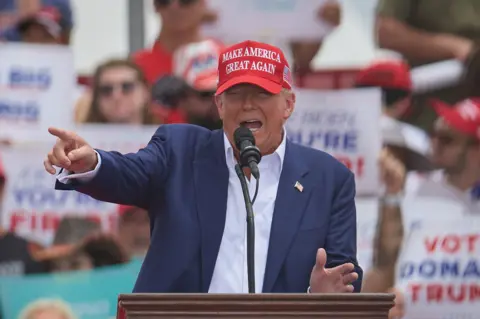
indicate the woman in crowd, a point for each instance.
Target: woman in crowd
{"x":120,"y":95}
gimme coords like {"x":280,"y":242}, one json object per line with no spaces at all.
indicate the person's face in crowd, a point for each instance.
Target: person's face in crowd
{"x":260,"y":111}
{"x":122,"y":97}
{"x":50,"y":313}
{"x":181,"y":15}
{"x":75,"y":261}
{"x":134,"y":231}
{"x":200,"y":109}
{"x":398,"y":109}
{"x":453,"y":151}
{"x":37,"y":34}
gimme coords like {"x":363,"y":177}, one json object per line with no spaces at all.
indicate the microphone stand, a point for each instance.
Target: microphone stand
{"x":250,"y":230}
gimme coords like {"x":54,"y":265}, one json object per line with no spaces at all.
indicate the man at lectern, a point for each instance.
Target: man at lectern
{"x":305,"y":219}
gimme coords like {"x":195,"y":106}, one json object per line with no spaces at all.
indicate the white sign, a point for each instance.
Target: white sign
{"x":116,"y":137}
{"x":33,"y":208}
{"x":439,"y":270}
{"x":36,"y":87}
{"x":345,"y":124}
{"x":367,"y":217}
{"x":254,"y":20}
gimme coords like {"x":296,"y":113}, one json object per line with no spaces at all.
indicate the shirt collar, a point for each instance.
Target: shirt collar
{"x":279,"y":152}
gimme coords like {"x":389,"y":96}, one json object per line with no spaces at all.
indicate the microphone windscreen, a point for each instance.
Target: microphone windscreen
{"x":242,"y":134}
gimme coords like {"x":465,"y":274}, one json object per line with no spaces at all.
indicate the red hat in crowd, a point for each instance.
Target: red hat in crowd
{"x":254,"y":63}
{"x":48,"y":17}
{"x":196,"y":63}
{"x":463,"y":116}
{"x":386,"y":74}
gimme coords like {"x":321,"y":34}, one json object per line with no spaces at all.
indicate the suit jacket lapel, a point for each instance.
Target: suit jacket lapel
{"x":290,"y":205}
{"x":211,"y":187}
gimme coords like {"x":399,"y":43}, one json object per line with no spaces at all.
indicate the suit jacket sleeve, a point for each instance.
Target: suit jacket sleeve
{"x":129,"y":179}
{"x":341,"y":244}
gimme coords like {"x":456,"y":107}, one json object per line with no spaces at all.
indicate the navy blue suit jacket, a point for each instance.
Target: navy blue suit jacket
{"x":181,"y":178}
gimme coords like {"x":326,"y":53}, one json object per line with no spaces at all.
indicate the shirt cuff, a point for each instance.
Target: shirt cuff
{"x":308,"y":290}
{"x":66,"y":176}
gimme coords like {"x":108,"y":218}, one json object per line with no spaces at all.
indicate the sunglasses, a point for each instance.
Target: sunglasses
{"x":166,"y":3}
{"x":443,"y":138}
{"x":107,"y":90}
{"x":205,"y":94}
{"x":446,"y":139}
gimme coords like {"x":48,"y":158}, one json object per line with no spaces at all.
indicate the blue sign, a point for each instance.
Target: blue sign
{"x":19,"y":111}
{"x":89,"y":294}
{"x":30,"y":78}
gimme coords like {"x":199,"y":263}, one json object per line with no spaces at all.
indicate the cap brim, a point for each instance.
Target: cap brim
{"x":449,"y":115}
{"x":265,"y":84}
{"x":52,"y":27}
{"x":205,"y":84}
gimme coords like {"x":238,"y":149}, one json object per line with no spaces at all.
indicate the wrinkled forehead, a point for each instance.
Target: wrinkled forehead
{"x":246,"y":88}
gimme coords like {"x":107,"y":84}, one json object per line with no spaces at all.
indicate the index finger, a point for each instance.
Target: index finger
{"x":61,"y":133}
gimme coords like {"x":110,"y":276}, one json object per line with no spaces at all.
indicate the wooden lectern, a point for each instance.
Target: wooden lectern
{"x":278,"y":306}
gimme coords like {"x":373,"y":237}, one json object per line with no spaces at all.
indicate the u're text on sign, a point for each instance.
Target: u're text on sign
{"x":439,"y":269}
{"x":344,"y":124}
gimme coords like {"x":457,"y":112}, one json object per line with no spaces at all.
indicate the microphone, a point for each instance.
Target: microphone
{"x":249,"y":154}
{"x":249,"y":157}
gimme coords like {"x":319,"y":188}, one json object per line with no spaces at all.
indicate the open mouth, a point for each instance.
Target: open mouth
{"x":252,"y":125}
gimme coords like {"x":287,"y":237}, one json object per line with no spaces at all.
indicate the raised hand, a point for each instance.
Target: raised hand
{"x":331,"y":280}
{"x":70,"y":152}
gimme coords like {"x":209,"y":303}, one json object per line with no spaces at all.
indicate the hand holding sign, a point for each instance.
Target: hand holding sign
{"x":70,"y":152}
{"x":331,"y":12}
{"x":331,"y":280}
{"x":392,"y":172}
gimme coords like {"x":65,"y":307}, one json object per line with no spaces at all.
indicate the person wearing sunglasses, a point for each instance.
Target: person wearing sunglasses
{"x":120,"y":94}
{"x":455,"y":152}
{"x":196,"y":64}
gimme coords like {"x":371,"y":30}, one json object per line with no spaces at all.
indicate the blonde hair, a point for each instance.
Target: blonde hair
{"x":45,"y":305}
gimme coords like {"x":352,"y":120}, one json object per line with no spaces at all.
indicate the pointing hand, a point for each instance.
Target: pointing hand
{"x":70,"y":152}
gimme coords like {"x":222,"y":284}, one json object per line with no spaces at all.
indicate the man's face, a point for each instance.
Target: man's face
{"x":37,"y":34}
{"x":452,"y":150}
{"x":181,"y":15}
{"x":260,"y":111}
{"x":134,"y":231}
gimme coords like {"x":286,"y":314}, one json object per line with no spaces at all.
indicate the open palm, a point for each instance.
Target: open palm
{"x":331,"y":280}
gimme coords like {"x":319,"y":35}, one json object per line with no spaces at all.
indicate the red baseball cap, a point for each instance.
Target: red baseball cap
{"x":463,"y":116}
{"x":255,"y":63}
{"x":386,"y":74}
{"x":197,"y":64}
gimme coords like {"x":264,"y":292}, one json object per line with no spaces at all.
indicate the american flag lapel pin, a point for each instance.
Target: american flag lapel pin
{"x":299,"y":187}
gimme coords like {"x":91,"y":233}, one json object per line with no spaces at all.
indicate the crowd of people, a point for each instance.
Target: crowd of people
{"x":430,"y":138}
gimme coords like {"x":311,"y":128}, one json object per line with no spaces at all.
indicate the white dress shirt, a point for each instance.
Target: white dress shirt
{"x":230,"y":272}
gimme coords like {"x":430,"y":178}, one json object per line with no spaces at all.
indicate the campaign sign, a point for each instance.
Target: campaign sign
{"x":267,"y":18}
{"x":345,"y":124}
{"x":83,"y":294}
{"x":439,"y":270}
{"x":33,"y":208}
{"x":367,"y":217}
{"x":36,"y":88}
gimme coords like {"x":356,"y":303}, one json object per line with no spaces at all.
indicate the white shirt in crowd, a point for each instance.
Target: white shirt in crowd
{"x":434,"y":184}
{"x":230,"y":272}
